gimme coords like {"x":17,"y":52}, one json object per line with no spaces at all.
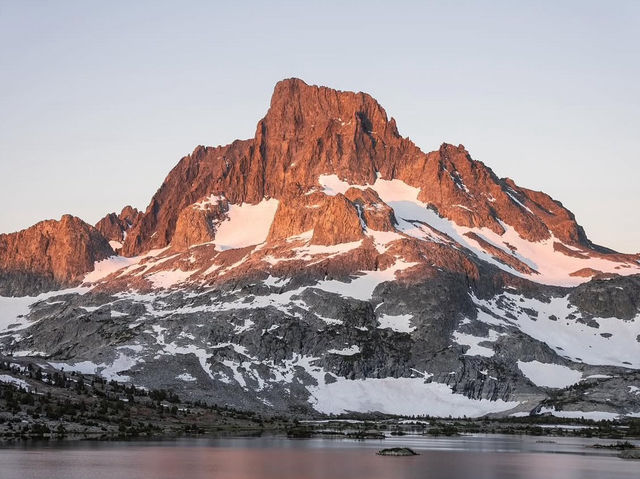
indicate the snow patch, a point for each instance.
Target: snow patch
{"x":110,"y":371}
{"x":549,"y":375}
{"x":208,"y":201}
{"x":82,"y":367}
{"x":402,"y":396}
{"x":475,"y":349}
{"x":382,"y":239}
{"x":400,"y":322}
{"x":362,"y":287}
{"x":569,"y":337}
{"x":350,"y":351}
{"x":276,"y":281}
{"x":594,"y":415}
{"x":14,"y":310}
{"x":5,"y":378}
{"x":329,"y":320}
{"x":102,"y":269}
{"x":247,"y":225}
{"x":167,"y":279}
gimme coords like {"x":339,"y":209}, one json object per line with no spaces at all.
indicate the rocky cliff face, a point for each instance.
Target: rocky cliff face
{"x":49,"y":255}
{"x":329,"y":265}
{"x":311,"y":131}
{"x":115,"y":227}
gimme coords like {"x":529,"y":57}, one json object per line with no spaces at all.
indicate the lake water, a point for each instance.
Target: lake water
{"x":476,"y":457}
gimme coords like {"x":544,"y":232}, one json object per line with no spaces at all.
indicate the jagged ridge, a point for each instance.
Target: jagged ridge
{"x":309,"y":131}
{"x":49,"y":255}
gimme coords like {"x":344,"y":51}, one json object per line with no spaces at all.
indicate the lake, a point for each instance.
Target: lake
{"x":477,"y":457}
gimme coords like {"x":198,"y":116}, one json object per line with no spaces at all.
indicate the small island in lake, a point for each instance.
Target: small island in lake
{"x":397,"y":451}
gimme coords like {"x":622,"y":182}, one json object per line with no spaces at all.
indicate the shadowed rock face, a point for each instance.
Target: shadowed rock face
{"x":338,"y":223}
{"x":49,"y":255}
{"x":197,"y":224}
{"x":309,"y":131}
{"x":114,"y":227}
{"x":600,"y":299}
{"x":373,"y":212}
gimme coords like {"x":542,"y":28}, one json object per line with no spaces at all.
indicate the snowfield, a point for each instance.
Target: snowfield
{"x":475,"y":348}
{"x":403,"y":396}
{"x":247,"y":225}
{"x":13,"y":310}
{"x":5,"y":378}
{"x":568,"y":336}
{"x":167,"y":279}
{"x":549,"y":375}
{"x":400,"y":323}
{"x":594,"y":415}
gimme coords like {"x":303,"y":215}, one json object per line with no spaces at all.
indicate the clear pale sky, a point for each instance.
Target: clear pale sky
{"x":99,"y":100}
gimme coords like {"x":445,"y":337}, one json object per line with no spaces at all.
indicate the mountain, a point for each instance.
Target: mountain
{"x":49,"y":255}
{"x":115,"y":227}
{"x":328,"y":265}
{"x":304,"y":136}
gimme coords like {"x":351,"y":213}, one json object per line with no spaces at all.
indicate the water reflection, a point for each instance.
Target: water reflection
{"x":479,"y":457}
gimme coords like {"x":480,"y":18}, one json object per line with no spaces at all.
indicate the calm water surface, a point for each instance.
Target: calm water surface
{"x":477,"y":457}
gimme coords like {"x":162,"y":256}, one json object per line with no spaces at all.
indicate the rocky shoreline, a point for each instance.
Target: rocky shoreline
{"x":55,"y":405}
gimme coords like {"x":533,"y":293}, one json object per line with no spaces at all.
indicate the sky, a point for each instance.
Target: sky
{"x":99,"y":100}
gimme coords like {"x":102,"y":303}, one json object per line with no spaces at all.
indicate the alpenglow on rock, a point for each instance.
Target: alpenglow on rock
{"x":327,"y":265}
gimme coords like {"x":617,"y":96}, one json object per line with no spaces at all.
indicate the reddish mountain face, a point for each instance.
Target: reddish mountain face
{"x":311,"y":131}
{"x":327,"y":186}
{"x":49,"y":255}
{"x":114,"y":227}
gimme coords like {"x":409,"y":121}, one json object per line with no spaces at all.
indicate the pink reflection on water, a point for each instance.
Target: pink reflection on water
{"x":292,"y":462}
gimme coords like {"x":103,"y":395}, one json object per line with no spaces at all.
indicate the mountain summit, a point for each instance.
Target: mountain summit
{"x":329,"y":265}
{"x":312,"y":131}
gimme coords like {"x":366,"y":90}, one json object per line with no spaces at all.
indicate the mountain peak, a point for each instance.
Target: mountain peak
{"x":114,"y":227}
{"x":310,"y":131}
{"x":288,"y":87}
{"x":48,"y":255}
{"x":299,"y":109}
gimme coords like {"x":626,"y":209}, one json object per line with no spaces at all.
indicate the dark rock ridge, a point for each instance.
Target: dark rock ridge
{"x":49,"y":255}
{"x":597,"y":297}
